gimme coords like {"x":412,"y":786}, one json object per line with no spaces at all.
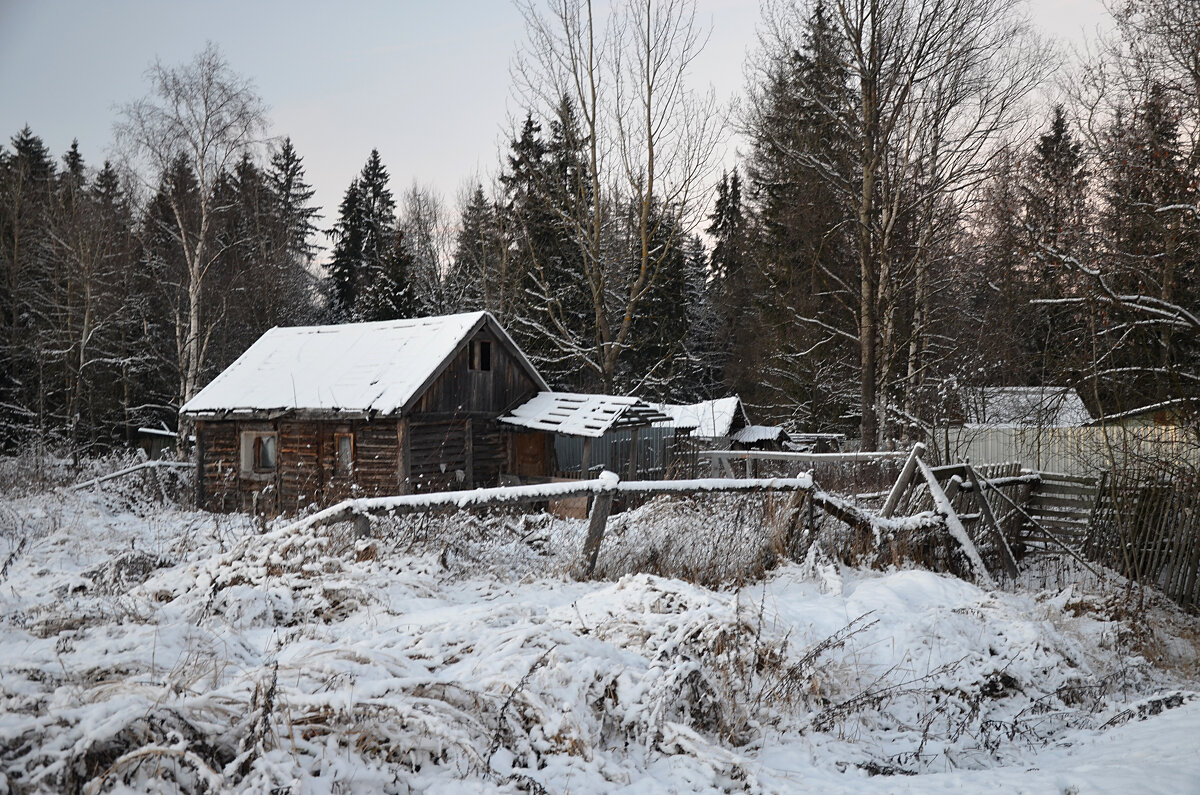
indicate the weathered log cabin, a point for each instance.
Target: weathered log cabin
{"x":309,"y":415}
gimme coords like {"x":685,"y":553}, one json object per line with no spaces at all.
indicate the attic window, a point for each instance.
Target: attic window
{"x":481,"y":355}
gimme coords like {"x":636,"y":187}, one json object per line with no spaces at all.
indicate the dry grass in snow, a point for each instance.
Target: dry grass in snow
{"x":146,"y":648}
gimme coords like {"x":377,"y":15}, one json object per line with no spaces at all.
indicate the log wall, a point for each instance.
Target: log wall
{"x":449,"y":439}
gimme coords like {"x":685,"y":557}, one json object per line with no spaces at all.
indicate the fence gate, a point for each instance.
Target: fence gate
{"x":1062,"y":505}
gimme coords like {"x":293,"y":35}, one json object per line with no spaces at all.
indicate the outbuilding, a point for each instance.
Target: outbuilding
{"x":309,"y":415}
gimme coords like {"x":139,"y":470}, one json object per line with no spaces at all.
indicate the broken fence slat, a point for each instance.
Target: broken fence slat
{"x":129,"y":471}
{"x":902,"y":482}
{"x":943,"y":506}
{"x":1010,"y":560}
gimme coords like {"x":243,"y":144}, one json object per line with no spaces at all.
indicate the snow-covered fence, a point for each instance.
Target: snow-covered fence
{"x":1146,"y":525}
{"x":603,"y":489}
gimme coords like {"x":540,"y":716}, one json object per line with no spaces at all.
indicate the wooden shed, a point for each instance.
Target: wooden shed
{"x":310,"y":415}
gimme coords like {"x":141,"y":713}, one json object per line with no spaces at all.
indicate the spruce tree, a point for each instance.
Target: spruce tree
{"x":346,"y":264}
{"x":27,"y":178}
{"x":802,"y":284}
{"x":370,"y":271}
{"x":292,"y":197}
{"x":480,"y":258}
{"x":1151,"y":247}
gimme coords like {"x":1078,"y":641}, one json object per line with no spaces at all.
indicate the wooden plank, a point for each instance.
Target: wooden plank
{"x":903,"y":482}
{"x":1052,"y":487}
{"x":1063,"y":477}
{"x":1072,"y":503}
{"x":955,"y":527}
{"x":404,"y":456}
{"x":597,"y":523}
{"x":468,"y":453}
{"x":1009,"y":560}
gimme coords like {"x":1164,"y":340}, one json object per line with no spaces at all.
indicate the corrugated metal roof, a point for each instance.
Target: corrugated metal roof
{"x":361,"y":368}
{"x":576,"y":414}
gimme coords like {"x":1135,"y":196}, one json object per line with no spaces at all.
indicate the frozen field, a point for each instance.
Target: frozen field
{"x":145,"y":648}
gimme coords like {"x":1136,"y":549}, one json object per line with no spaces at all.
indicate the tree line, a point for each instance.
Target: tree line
{"x":903,"y":220}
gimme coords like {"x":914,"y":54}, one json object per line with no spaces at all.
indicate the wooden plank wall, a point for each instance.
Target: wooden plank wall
{"x":222,"y":488}
{"x":462,"y":392}
{"x":1062,"y":505}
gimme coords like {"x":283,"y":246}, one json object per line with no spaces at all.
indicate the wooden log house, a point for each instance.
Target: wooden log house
{"x":310,"y":415}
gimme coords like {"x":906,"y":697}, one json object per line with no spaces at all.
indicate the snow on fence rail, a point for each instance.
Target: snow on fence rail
{"x":603,"y":488}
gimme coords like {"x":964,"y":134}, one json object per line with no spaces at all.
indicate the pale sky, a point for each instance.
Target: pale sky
{"x":424,"y":81}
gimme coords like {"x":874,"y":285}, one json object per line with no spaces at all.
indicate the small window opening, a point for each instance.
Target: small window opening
{"x":345,"y":453}
{"x":481,"y":355}
{"x":264,"y":453}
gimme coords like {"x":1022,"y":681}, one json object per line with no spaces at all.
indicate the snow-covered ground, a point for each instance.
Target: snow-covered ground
{"x":144,"y":648}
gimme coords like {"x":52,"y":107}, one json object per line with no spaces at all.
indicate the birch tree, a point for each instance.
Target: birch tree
{"x":932,"y":87}
{"x":205,"y":117}
{"x":646,"y":140}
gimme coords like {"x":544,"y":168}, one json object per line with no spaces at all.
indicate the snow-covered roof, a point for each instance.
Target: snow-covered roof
{"x":354,"y":368}
{"x":758,"y":433}
{"x":575,"y":414}
{"x":711,"y":418}
{"x":1044,"y":406}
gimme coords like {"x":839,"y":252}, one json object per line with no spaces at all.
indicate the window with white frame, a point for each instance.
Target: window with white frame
{"x":344,"y":452}
{"x":260,"y":453}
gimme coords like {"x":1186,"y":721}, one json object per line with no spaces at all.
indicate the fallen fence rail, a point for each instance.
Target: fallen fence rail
{"x":120,"y":473}
{"x":603,"y":488}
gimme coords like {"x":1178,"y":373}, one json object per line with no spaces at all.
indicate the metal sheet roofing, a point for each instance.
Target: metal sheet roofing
{"x":710,"y":418}
{"x":575,"y":414}
{"x":359,"y":368}
{"x":1044,"y":406}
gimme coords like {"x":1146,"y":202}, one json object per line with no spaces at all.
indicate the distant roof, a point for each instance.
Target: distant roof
{"x":712,"y":418}
{"x":575,"y":414}
{"x":1044,"y":406}
{"x":752,"y":434}
{"x":354,"y":368}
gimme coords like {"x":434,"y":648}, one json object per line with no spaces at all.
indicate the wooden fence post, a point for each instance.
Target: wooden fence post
{"x":597,"y":522}
{"x":902,"y":482}
{"x":1010,"y":562}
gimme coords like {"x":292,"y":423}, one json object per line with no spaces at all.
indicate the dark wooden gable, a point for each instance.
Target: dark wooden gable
{"x":461,"y":390}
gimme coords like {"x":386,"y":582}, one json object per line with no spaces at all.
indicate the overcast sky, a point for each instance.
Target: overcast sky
{"x":427,"y":83}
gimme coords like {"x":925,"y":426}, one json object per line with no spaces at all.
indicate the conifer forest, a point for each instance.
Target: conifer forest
{"x":907,"y":196}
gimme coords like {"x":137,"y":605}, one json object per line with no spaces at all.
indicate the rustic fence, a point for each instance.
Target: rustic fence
{"x":1146,"y":525}
{"x":847,"y":473}
{"x":602,"y":490}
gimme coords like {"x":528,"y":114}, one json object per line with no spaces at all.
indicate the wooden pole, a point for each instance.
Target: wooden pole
{"x":633,"y":453}
{"x":597,"y":523}
{"x":585,"y":458}
{"x":1010,"y":561}
{"x":902,"y":482}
